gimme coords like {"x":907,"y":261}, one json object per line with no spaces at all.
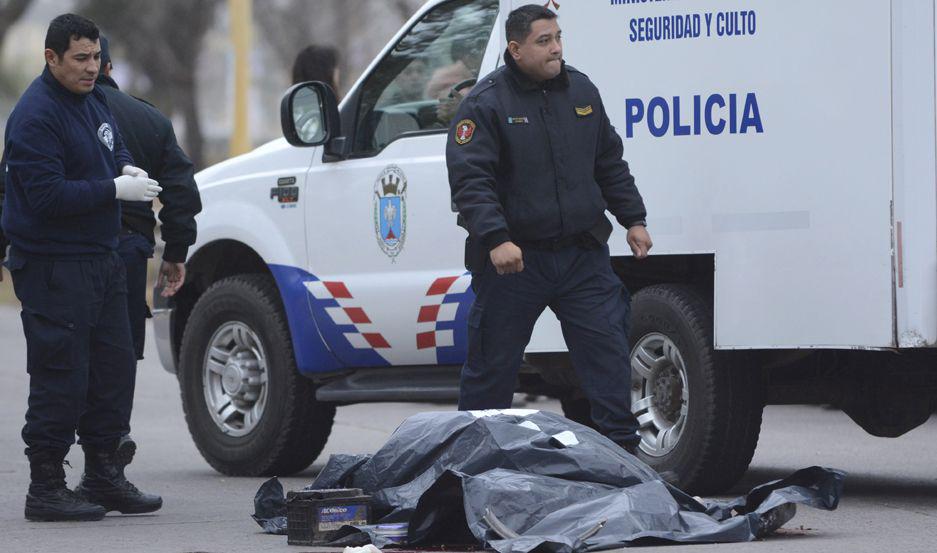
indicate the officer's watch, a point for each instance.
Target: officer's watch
{"x":640,"y":223}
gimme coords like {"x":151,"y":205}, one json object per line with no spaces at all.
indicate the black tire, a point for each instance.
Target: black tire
{"x":294,"y":426}
{"x":726,"y":397}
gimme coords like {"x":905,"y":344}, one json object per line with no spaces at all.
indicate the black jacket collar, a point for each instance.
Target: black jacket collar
{"x":106,"y":81}
{"x":53,"y":83}
{"x":525,"y":83}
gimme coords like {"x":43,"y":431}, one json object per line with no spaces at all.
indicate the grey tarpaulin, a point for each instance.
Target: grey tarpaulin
{"x":549,"y":480}
{"x":270,"y":507}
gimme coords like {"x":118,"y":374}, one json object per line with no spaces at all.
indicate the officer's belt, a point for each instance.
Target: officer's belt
{"x":44,"y":257}
{"x":583,"y":239}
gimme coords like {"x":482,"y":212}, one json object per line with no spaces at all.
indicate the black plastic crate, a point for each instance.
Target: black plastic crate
{"x":314,"y":516}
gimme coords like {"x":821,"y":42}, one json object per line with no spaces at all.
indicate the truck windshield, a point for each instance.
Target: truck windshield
{"x":411,"y":89}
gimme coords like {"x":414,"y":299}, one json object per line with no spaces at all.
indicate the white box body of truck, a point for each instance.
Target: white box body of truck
{"x":794,"y":141}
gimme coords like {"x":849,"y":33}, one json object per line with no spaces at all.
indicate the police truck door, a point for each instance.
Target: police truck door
{"x":383,"y":241}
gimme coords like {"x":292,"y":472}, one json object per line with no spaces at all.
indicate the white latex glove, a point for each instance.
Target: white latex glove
{"x":136,"y":189}
{"x":134,"y":171}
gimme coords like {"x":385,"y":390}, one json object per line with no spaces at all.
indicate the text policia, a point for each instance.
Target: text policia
{"x":713,"y":114}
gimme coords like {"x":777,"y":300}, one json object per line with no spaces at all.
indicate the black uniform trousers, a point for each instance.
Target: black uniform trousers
{"x":578,"y":284}
{"x":135,"y":251}
{"x":79,"y":353}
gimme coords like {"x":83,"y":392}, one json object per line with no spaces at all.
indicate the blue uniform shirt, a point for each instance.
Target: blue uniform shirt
{"x":62,"y":152}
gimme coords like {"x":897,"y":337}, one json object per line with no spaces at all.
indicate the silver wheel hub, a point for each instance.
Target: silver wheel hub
{"x":234,"y":378}
{"x":659,"y":393}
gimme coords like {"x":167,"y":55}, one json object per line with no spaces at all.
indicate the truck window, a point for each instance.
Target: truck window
{"x":409,"y":90}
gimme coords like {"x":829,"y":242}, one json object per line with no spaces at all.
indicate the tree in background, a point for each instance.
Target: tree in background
{"x":357,"y":28}
{"x":162,"y":43}
{"x":10,"y":12}
{"x":161,"y":40}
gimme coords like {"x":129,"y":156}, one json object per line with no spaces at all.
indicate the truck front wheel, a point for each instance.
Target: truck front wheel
{"x":248,"y":409}
{"x":699,"y":410}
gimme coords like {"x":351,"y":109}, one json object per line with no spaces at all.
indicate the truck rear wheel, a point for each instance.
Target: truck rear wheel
{"x":248,"y":409}
{"x":699,"y":410}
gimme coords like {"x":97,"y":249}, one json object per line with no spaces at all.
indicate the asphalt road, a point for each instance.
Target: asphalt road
{"x":890,"y":503}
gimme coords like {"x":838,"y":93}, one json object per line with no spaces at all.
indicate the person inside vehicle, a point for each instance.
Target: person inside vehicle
{"x":450,"y":83}
{"x":410,"y":83}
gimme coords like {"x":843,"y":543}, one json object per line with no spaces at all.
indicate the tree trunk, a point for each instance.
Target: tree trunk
{"x":188,"y":102}
{"x":10,"y":13}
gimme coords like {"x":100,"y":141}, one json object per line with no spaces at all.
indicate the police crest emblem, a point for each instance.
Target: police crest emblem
{"x":390,"y":210}
{"x":106,"y":136}
{"x":464,"y":131}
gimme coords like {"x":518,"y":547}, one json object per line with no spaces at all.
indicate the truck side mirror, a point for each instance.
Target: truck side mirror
{"x":309,"y":114}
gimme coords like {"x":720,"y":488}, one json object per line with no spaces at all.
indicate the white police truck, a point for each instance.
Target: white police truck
{"x":786,"y":154}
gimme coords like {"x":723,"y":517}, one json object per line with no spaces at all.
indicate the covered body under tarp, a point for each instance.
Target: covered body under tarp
{"x":557,"y":485}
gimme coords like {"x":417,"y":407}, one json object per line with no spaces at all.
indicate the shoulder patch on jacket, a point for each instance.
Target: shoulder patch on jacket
{"x":464,"y":131}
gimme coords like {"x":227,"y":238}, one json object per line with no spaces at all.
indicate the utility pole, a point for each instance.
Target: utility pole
{"x":241,"y":18}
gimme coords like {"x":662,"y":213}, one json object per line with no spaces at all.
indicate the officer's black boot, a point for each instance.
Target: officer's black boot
{"x":49,"y":499}
{"x":104,"y":482}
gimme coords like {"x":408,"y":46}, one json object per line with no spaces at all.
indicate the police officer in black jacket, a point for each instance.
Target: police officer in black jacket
{"x":149,"y":136}
{"x":65,"y":168}
{"x":534,"y":163}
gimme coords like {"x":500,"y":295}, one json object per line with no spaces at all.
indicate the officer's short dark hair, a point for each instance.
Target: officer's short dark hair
{"x":520,"y":20}
{"x":68,"y":27}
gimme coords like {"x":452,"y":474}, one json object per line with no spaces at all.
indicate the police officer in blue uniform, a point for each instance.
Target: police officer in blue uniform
{"x":66,"y":169}
{"x":534,"y":164}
